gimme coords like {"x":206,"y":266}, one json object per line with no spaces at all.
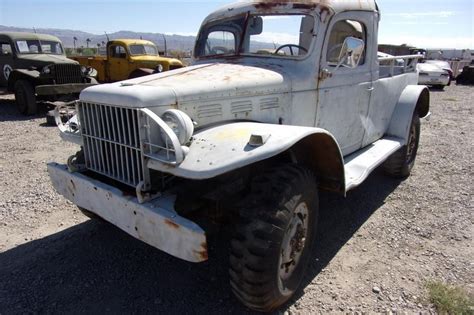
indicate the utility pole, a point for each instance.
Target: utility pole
{"x":166,"y":48}
{"x":74,"y":42}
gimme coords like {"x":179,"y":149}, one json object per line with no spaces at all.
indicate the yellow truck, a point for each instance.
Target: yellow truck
{"x":128,"y":58}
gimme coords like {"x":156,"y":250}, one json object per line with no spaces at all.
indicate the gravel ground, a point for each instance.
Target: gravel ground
{"x":376,"y":248}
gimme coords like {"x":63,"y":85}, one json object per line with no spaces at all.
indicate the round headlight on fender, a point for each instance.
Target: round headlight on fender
{"x":46,"y":69}
{"x":180,"y":123}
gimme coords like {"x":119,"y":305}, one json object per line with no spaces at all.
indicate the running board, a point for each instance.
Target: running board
{"x":360,"y":164}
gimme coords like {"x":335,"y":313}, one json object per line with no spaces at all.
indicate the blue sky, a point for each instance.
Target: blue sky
{"x":422,"y":23}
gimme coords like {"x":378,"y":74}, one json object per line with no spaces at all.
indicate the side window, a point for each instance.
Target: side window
{"x":118,"y":52}
{"x":5,"y":49}
{"x":220,"y":43}
{"x":340,"y":31}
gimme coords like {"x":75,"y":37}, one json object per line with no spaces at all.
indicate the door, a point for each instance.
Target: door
{"x":118,"y":63}
{"x":344,"y":92}
{"x":6,"y":61}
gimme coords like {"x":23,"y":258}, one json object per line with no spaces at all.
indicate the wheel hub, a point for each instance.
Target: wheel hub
{"x":294,"y":242}
{"x":411,"y":143}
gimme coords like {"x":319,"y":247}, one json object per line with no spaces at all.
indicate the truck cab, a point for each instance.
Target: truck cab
{"x":129,"y":58}
{"x":35,"y":67}
{"x":283,"y":99}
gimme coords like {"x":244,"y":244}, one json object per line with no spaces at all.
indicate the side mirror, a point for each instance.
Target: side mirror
{"x":255,"y":25}
{"x":351,"y":53}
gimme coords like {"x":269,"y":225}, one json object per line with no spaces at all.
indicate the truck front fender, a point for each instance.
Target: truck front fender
{"x":413,"y":98}
{"x":22,"y":74}
{"x":218,"y":150}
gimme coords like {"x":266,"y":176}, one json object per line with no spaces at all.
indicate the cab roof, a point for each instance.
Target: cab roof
{"x":128,"y":42}
{"x":29,"y":36}
{"x":269,"y":6}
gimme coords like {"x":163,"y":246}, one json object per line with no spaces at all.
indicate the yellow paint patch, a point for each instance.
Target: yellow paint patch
{"x":234,"y":134}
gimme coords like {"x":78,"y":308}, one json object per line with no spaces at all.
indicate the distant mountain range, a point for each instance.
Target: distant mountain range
{"x":173,"y":42}
{"x":178,"y":42}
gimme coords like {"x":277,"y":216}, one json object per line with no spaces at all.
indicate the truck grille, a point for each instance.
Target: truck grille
{"x":67,"y":73}
{"x":112,"y":141}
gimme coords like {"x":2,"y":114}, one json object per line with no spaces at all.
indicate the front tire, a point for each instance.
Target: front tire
{"x":400,"y":164}
{"x":25,"y":98}
{"x":272,"y":242}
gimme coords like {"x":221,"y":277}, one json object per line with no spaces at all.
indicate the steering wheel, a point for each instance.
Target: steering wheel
{"x":332,"y":50}
{"x":291,"y":48}
{"x":219,"y":50}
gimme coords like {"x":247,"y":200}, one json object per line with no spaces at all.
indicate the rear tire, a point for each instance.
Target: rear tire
{"x":400,"y":164}
{"x":272,"y":242}
{"x":25,"y":98}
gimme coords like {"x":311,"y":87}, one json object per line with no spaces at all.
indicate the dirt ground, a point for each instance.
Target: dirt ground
{"x":375,"y":249}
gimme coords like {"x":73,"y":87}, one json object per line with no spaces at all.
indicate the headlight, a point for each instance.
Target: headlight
{"x":180,"y":123}
{"x":47,"y":69}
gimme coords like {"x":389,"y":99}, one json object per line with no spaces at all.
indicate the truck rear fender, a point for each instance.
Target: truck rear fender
{"x":22,"y":74}
{"x":413,"y":98}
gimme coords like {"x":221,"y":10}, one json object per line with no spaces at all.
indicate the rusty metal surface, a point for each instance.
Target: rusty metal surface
{"x":154,"y":223}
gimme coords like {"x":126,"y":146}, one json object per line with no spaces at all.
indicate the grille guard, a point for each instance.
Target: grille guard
{"x":122,"y":156}
{"x":71,"y":130}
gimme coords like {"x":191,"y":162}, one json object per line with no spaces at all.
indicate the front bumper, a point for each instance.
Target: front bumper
{"x":62,"y":89}
{"x":154,"y":222}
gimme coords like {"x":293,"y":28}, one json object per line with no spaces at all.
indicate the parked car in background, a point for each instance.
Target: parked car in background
{"x":432,"y":75}
{"x":35,"y":68}
{"x":443,"y":65}
{"x":128,"y":58}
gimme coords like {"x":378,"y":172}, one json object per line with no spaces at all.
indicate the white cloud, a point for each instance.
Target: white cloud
{"x":434,"y":14}
{"x":280,"y":38}
{"x":430,"y":42}
{"x":182,"y":33}
{"x":276,"y":17}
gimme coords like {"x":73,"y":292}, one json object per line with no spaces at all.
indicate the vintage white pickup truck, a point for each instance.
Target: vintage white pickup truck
{"x":247,"y":136}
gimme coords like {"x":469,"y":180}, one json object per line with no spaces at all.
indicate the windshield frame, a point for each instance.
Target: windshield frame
{"x":40,"y":47}
{"x":145,"y":54}
{"x":207,"y":29}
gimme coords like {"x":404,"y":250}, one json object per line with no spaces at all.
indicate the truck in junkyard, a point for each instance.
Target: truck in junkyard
{"x":35,"y":67}
{"x":128,"y":58}
{"x":247,"y":139}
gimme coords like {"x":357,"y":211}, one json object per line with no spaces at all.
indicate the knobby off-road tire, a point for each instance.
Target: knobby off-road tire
{"x":400,"y":164}
{"x":272,"y":242}
{"x":25,"y":98}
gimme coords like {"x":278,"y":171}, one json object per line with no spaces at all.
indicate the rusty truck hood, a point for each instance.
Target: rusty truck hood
{"x":198,"y":84}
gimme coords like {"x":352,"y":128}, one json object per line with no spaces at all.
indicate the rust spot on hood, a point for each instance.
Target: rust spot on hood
{"x":171,"y":224}
{"x":296,"y":4}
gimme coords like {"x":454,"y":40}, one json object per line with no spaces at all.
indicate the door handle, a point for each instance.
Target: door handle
{"x":370,"y":89}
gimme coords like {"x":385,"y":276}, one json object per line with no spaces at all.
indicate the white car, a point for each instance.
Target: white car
{"x":429,"y":74}
{"x":443,"y":65}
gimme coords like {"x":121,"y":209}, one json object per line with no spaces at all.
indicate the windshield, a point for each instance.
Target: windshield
{"x":39,"y":47}
{"x":281,"y":36}
{"x":143,"y":50}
